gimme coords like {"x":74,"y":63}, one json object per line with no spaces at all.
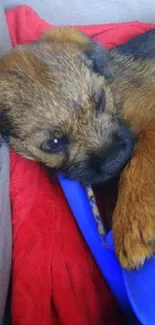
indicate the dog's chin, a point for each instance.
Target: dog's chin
{"x":82,"y":175}
{"x":87,"y":176}
{"x":93,"y":171}
{"x":98,"y":170}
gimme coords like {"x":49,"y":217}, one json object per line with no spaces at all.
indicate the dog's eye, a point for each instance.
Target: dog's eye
{"x":55,"y":145}
{"x":101,"y":102}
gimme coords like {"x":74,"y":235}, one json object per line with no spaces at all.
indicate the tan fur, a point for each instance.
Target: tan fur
{"x":134,"y":215}
{"x":49,"y":86}
{"x":66,"y":34}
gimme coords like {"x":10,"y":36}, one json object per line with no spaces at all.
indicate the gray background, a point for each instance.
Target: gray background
{"x":90,"y":11}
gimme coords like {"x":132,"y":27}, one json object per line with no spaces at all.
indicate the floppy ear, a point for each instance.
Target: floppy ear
{"x":99,"y":58}
{"x":94,"y":52}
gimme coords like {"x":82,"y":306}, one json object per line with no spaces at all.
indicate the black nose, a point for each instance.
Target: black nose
{"x":110,"y":163}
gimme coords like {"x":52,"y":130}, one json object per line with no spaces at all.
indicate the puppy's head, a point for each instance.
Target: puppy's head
{"x":56,"y":107}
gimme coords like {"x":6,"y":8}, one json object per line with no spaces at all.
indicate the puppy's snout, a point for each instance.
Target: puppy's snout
{"x":120,"y":151}
{"x":107,"y":163}
{"x":116,"y":156}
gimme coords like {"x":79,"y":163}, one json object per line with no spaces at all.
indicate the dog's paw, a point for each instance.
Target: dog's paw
{"x":133,"y":255}
{"x":134,"y":239}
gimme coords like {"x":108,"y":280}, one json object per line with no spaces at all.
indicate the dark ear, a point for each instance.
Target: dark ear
{"x":94,"y":52}
{"x":99,"y":58}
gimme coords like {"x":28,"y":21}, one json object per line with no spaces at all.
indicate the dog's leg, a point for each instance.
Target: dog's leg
{"x":134,"y":215}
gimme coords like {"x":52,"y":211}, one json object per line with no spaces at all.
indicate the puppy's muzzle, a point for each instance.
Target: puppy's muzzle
{"x":107,"y":164}
{"x":117,"y":155}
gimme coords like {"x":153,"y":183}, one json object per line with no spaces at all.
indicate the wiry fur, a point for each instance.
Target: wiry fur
{"x":101,"y":101}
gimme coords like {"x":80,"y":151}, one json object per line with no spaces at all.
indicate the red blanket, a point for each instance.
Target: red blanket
{"x":55,"y":279}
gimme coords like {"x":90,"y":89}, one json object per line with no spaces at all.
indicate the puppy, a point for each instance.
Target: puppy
{"x":85,"y":111}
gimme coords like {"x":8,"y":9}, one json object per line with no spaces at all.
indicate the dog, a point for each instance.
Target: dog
{"x":89,"y":113}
